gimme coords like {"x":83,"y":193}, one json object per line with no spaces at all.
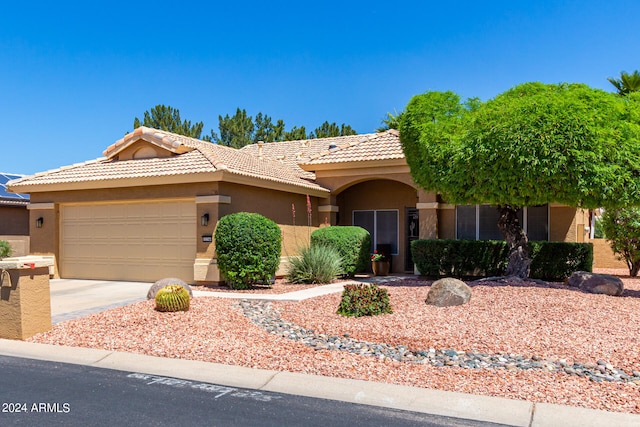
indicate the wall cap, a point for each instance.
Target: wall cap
{"x":214,"y":199}
{"x":427,"y":205}
{"x":49,"y":205}
{"x":328,"y":208}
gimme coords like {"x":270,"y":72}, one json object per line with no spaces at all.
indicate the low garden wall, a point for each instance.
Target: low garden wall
{"x":603,"y":256}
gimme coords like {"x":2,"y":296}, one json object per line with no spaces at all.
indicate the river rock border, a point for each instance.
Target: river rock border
{"x":261,"y":313}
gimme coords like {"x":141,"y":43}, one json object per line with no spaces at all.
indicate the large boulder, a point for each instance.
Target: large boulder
{"x":448,"y":292}
{"x":153,"y":290}
{"x":596,"y":283}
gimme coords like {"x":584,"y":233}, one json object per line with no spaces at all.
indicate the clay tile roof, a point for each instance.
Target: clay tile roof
{"x":103,"y":169}
{"x":167,"y":140}
{"x":376,"y":146}
{"x":192,"y":156}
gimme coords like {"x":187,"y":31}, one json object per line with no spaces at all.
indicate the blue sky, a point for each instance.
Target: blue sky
{"x":74,"y":75}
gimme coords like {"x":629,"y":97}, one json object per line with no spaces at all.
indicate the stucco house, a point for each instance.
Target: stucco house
{"x":149,"y":207}
{"x":14,"y":217}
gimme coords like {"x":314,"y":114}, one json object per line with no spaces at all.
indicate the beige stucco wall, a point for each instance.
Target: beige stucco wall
{"x":25,"y":306}
{"x":564,"y":223}
{"x":19,"y":244}
{"x":603,"y":256}
{"x":273,"y":204}
{"x":339,"y":181}
{"x":14,"y":221}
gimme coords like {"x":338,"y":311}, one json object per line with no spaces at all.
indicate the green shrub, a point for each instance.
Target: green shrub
{"x":558,"y":260}
{"x":5,"y":249}
{"x":622,"y":229}
{"x":352,"y":243}
{"x":460,"y":258}
{"x":248,"y":246}
{"x":172,"y":298}
{"x":484,"y":258}
{"x":364,"y":300}
{"x":316,"y":264}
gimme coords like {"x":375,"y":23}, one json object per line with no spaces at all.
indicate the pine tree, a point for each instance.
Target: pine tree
{"x":167,"y":118}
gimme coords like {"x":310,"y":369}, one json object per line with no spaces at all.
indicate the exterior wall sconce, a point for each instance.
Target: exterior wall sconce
{"x":39,"y":222}
{"x":204,"y":220}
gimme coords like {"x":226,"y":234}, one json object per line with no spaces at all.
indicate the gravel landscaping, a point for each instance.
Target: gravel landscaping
{"x":522,"y":340}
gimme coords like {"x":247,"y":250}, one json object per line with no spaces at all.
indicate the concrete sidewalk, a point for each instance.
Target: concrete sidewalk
{"x":73,"y":298}
{"x":76,"y":298}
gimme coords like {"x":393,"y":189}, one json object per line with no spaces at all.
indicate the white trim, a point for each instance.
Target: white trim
{"x":42,"y":206}
{"x":328,"y":208}
{"x":218,"y":198}
{"x":446,"y":206}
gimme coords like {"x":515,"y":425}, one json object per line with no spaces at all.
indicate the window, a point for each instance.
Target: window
{"x":480,"y":222}
{"x":382,"y":225}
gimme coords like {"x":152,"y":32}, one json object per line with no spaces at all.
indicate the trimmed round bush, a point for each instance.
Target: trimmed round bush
{"x":248,"y":246}
{"x":316,"y":264}
{"x":352,"y":243}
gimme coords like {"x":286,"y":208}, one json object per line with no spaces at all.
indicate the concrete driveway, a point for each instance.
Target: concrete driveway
{"x":73,"y":298}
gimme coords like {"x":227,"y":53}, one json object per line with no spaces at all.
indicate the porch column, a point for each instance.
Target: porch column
{"x":44,"y":232}
{"x":428,"y":213}
{"x":328,"y":215}
{"x":205,"y":267}
{"x":328,"y":211}
{"x":428,"y":220}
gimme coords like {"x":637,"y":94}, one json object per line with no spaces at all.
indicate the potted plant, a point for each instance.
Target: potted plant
{"x":379,"y":263}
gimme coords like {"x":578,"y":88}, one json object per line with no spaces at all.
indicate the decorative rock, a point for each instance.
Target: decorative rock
{"x":262,"y":315}
{"x":596,"y":283}
{"x":153,"y":290}
{"x":448,"y":292}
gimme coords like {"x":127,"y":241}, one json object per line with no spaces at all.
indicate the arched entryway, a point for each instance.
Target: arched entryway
{"x":387,"y":209}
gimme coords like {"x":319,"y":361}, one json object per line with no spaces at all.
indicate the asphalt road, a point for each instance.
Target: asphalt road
{"x":36,"y":393}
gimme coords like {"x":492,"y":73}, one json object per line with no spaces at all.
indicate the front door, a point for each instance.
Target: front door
{"x":412,"y":229}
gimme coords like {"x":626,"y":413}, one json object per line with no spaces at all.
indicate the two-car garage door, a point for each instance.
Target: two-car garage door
{"x":135,"y":241}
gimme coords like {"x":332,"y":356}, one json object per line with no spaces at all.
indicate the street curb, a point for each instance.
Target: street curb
{"x":445,"y":403}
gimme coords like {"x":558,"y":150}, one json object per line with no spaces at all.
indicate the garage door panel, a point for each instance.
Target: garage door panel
{"x":138,"y":241}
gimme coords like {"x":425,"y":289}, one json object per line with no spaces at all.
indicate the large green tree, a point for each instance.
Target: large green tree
{"x":295,"y":134}
{"x":622,"y":229}
{"x":627,"y":83}
{"x":235,"y":131}
{"x":266,"y":131}
{"x":328,"y":130}
{"x":167,"y":118}
{"x":241,"y":129}
{"x":238,"y":130}
{"x":531,"y":145}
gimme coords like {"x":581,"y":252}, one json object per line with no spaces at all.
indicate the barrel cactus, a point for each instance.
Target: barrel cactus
{"x":153,"y":290}
{"x":172,"y":298}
